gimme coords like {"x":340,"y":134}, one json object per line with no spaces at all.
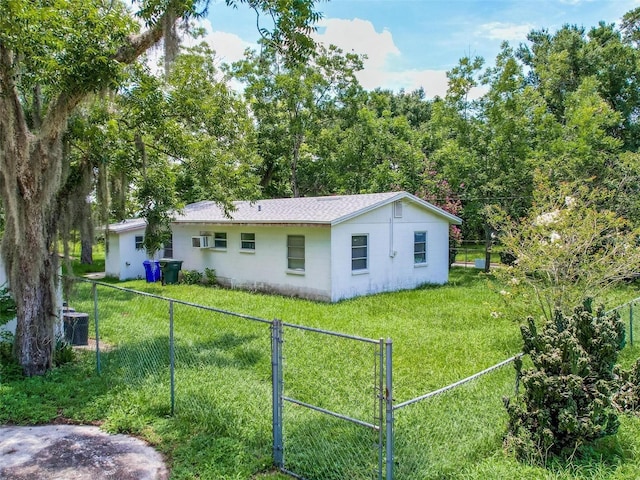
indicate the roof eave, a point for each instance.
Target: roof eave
{"x":452,"y":219}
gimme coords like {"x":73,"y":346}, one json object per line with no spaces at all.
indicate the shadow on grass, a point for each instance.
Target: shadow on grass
{"x":137,"y":360}
{"x":322,"y":446}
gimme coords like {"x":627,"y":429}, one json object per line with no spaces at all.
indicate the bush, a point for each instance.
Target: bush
{"x":567,"y":398}
{"x":507,"y":258}
{"x":7,"y":305}
{"x":9,"y":367}
{"x":63,"y":353}
{"x":209,"y":276}
{"x":191,"y":277}
{"x":628,"y":397}
{"x":194,"y":277}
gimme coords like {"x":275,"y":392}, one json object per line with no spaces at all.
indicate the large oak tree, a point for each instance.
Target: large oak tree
{"x":54,"y":54}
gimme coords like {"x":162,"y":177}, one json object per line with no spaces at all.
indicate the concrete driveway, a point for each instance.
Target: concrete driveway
{"x":73,"y":452}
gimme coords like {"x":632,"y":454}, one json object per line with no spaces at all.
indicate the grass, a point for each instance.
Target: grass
{"x":221,"y":427}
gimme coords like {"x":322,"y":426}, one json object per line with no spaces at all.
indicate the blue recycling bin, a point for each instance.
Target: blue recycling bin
{"x":151,"y":270}
{"x":156,"y":271}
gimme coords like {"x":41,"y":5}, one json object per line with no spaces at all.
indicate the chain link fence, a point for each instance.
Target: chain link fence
{"x":260,"y":390}
{"x":332,"y":404}
{"x":630,"y":315}
{"x":437,"y":434}
{"x":316,"y":404}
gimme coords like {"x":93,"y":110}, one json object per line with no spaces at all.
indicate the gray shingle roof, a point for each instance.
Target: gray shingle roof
{"x":127,"y":225}
{"x":309,"y":210}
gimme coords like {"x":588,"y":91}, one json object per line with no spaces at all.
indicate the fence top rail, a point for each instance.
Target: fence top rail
{"x":227,"y":312}
{"x":181,"y":302}
{"x":329,"y":332}
{"x":456,"y":384}
{"x":630,"y":302}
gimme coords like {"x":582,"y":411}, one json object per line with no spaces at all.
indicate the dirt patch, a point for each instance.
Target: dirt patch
{"x":76,"y":452}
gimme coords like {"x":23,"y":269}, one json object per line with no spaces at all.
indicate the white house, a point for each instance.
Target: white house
{"x":3,"y":272}
{"x":324,"y":248}
{"x":125,"y":250}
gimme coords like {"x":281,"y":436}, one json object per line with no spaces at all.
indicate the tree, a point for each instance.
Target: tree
{"x":291,"y":104}
{"x":44,"y":76}
{"x":559,"y":63}
{"x":567,"y":248}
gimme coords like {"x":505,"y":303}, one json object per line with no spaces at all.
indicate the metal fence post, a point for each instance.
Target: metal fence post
{"x":631,"y":324}
{"x":95,"y":317}
{"x":277,"y":390}
{"x":172,"y":360}
{"x":389,"y":409}
{"x":381,"y":408}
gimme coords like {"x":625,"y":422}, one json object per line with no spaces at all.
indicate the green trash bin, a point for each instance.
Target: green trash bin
{"x":170,"y":268}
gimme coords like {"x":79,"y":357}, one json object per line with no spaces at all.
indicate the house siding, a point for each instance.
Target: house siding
{"x":390,"y":252}
{"x":124,"y":261}
{"x":3,"y":272}
{"x":265,"y":268}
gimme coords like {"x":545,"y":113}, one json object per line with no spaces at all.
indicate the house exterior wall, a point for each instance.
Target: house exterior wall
{"x":265,"y":268}
{"x":123,"y":260}
{"x":390,"y":252}
{"x":3,"y":272}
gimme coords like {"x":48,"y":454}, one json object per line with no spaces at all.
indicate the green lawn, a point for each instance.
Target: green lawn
{"x":221,"y":426}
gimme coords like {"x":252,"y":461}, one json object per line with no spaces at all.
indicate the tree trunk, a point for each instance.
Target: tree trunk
{"x":86,"y":238}
{"x":31,"y":167}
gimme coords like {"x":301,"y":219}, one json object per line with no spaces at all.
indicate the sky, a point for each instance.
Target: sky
{"x":413,"y":43}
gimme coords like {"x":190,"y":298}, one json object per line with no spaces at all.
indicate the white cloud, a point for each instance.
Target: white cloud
{"x":360,"y":36}
{"x":229,"y":47}
{"x":505,"y":31}
{"x":356,"y":36}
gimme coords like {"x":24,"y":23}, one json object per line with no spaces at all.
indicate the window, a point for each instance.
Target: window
{"x":248,"y":241}
{"x":419,"y":248}
{"x":359,"y":252}
{"x":168,"y":248}
{"x":220,"y":240}
{"x":295,"y":252}
{"x":139,"y":242}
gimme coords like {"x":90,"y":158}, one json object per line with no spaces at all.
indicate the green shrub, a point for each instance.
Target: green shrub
{"x":567,"y":398}
{"x":63,"y":353}
{"x":628,"y":397}
{"x":9,"y":367}
{"x":191,"y":277}
{"x":209,"y":276}
{"x":7,"y":305}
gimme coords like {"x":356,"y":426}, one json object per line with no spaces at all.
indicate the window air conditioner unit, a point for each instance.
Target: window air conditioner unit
{"x":201,"y":241}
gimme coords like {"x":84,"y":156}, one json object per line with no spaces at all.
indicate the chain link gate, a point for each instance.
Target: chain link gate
{"x":323,"y":430}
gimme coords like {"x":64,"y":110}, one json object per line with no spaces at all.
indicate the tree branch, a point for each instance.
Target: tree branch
{"x":9,"y":97}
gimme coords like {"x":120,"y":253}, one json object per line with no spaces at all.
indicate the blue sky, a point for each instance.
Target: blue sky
{"x":412,"y":43}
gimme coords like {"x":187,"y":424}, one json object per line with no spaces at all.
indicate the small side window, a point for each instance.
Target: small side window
{"x":295,"y":252}
{"x":359,"y":252}
{"x":248,"y":241}
{"x":220,"y":240}
{"x":139,"y":242}
{"x":419,"y":248}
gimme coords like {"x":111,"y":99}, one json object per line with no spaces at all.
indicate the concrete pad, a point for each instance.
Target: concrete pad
{"x":74,"y":452}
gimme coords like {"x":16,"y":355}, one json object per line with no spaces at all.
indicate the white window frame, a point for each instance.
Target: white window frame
{"x":424,"y":251}
{"x":360,"y":258}
{"x":139,"y":242}
{"x":249,"y":239}
{"x":291,"y":257}
{"x":220,"y":240}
